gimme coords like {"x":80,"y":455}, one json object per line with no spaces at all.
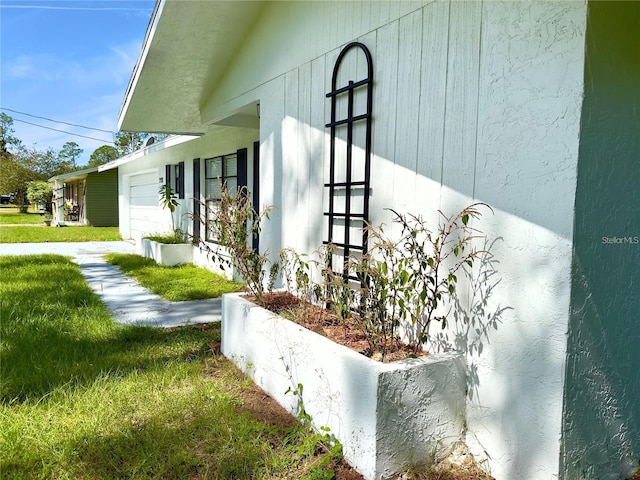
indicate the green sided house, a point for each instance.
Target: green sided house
{"x":333,"y":112}
{"x":86,"y":197}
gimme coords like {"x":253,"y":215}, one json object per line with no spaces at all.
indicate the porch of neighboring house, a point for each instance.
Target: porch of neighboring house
{"x":86,"y":197}
{"x":73,"y":194}
{"x":68,"y":202}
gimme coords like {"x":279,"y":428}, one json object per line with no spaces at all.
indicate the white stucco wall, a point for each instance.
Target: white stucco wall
{"x":473,"y":101}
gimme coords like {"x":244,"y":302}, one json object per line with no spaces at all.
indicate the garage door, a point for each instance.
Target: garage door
{"x":144,"y":205}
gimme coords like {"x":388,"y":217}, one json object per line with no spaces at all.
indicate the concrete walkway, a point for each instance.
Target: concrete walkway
{"x":130,"y":302}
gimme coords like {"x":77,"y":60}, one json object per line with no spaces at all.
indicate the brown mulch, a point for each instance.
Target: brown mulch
{"x":327,"y":324}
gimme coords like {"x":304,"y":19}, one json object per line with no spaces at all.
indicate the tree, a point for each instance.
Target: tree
{"x":40,"y":193}
{"x":70,"y":152}
{"x":14,"y":179}
{"x":26,"y":165}
{"x":7,"y":139}
{"x":129,"y":142}
{"x":102,"y":155}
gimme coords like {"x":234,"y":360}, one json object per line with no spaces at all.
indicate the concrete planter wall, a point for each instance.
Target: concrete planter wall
{"x":386,"y":415}
{"x":165,"y":253}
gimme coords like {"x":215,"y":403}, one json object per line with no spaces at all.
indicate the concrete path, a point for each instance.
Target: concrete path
{"x":130,"y":302}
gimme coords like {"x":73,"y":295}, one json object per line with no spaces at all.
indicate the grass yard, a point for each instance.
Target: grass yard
{"x":179,"y":283}
{"x":39,"y":234}
{"x":82,"y":397}
{"x":16,"y":218}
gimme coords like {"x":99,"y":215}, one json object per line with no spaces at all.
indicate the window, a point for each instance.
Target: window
{"x":218,"y":171}
{"x":175,"y":178}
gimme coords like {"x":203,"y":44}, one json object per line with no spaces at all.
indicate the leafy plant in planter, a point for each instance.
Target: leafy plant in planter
{"x":168,"y":200}
{"x":409,"y":281}
{"x":413,"y":278}
{"x":234,"y":224}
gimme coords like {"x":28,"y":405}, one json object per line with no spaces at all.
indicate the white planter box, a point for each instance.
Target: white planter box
{"x":165,"y":253}
{"x":386,"y":415}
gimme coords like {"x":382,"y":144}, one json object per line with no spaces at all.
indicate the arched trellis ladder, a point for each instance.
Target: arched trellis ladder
{"x":349,"y":184}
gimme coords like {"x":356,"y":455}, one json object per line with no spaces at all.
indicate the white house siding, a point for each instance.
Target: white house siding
{"x":139,"y":181}
{"x":145,"y":215}
{"x":473,"y":101}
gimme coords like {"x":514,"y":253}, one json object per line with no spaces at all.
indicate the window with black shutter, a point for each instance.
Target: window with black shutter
{"x":229,"y":170}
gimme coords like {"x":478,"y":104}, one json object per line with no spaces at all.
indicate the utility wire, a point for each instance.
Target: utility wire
{"x":62,"y":131}
{"x":56,"y":121}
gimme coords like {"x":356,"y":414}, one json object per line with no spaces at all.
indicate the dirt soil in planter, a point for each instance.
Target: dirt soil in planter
{"x":327,"y":324}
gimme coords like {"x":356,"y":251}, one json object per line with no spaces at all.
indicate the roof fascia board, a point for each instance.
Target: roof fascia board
{"x":146,"y":45}
{"x":161,"y":145}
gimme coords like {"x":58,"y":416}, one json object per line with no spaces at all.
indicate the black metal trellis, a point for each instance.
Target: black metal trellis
{"x":353,"y":182}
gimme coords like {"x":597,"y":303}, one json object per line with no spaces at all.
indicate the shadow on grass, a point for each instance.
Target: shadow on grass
{"x":56,"y":331}
{"x":226,"y":453}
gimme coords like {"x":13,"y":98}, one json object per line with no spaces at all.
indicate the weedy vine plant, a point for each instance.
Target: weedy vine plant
{"x":403,"y":285}
{"x":322,"y":440}
{"x":412,"y":279}
{"x":431,"y":263}
{"x":233,"y":224}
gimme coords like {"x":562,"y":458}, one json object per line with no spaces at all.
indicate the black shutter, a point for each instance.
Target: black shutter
{"x":167,"y":175}
{"x":242,"y":167}
{"x":180,"y":180}
{"x":256,"y":188}
{"x":196,"y":199}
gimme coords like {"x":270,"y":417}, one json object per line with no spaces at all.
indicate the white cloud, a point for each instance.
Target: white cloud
{"x":22,"y":67}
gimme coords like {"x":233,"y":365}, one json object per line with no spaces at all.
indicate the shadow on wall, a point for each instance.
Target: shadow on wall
{"x":474,"y":319}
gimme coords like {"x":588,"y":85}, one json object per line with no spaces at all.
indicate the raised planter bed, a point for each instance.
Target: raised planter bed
{"x":166,"y":253}
{"x":387,"y":416}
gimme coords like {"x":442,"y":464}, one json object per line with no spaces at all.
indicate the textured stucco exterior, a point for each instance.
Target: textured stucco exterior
{"x":473,"y":101}
{"x":387,"y":416}
{"x":601,"y":425}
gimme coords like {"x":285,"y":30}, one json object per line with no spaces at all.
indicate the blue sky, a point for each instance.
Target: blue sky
{"x":68,"y":61}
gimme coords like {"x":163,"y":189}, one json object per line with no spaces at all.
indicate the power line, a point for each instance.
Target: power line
{"x":56,"y":121}
{"x":62,"y":131}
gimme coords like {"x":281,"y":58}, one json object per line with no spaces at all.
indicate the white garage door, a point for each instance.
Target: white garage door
{"x":144,"y":209}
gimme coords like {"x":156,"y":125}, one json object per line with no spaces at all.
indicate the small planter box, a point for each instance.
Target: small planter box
{"x":386,"y":415}
{"x":166,"y":253}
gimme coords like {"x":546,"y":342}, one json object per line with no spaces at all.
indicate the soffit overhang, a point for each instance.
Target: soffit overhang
{"x":186,"y":50}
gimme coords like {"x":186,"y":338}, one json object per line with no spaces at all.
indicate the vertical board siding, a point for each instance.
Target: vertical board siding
{"x":385,"y":101}
{"x":462,"y":96}
{"x":102,"y":198}
{"x":290,"y":159}
{"x":407,"y":110}
{"x":315,"y":217}
{"x":432,"y":104}
{"x":304,"y":150}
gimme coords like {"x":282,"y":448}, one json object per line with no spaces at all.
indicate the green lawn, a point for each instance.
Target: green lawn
{"x":39,"y":234}
{"x":179,"y":283}
{"x":15,"y":218}
{"x":82,"y":397}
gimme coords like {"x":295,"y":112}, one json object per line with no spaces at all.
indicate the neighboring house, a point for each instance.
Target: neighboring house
{"x":86,"y":197}
{"x":530,"y":107}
